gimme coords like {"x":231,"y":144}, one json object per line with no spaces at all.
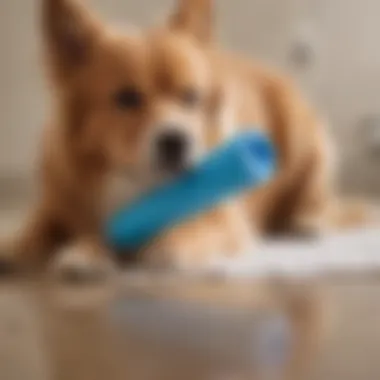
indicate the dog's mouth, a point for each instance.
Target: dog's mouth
{"x":152,"y":177}
{"x":157,"y":170}
{"x":173,"y":170}
{"x":174,"y":154}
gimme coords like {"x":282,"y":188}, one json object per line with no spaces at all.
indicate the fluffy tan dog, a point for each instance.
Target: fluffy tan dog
{"x":133,"y":109}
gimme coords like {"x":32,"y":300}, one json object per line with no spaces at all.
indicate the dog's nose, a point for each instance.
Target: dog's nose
{"x":172,"y":149}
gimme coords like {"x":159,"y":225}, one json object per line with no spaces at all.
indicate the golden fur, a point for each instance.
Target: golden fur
{"x":90,"y":140}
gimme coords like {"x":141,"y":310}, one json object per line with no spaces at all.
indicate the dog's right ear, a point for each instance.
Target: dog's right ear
{"x":69,"y":32}
{"x":194,"y":17}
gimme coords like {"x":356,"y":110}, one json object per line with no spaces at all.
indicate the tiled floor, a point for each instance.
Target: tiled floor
{"x":54,"y":332}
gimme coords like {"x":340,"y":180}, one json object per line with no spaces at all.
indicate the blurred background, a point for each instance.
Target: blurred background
{"x":329,"y":46}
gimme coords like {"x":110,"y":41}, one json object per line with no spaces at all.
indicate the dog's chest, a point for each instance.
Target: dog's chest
{"x":121,"y":190}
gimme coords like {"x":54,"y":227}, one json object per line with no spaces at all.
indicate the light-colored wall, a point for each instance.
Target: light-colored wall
{"x":341,"y":73}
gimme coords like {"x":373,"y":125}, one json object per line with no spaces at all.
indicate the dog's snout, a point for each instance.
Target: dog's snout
{"x":172,"y":150}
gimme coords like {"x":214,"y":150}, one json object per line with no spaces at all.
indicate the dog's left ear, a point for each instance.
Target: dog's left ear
{"x":195,"y":17}
{"x":70,"y":31}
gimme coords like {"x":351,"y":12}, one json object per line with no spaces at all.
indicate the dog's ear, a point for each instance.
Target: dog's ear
{"x":195,"y":17}
{"x":69,"y":34}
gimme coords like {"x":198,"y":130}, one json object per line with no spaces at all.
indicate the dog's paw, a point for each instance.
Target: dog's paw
{"x":82,"y":263}
{"x":198,"y":254}
{"x":161,"y":256}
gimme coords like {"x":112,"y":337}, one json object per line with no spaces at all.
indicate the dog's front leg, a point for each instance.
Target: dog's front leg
{"x":31,"y":245}
{"x":202,"y":241}
{"x":84,"y":258}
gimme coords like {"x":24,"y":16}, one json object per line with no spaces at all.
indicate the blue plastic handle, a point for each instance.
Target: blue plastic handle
{"x":245,"y":162}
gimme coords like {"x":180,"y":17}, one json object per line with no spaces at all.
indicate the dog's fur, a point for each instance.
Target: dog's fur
{"x":178,"y":77}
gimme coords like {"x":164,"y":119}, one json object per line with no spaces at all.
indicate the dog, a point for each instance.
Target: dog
{"x":132,"y":109}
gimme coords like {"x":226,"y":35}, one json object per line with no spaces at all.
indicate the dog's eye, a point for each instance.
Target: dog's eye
{"x":129,"y":98}
{"x":190,"y":97}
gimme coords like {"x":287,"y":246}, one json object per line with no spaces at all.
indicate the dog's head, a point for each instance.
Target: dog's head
{"x":146,"y":102}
